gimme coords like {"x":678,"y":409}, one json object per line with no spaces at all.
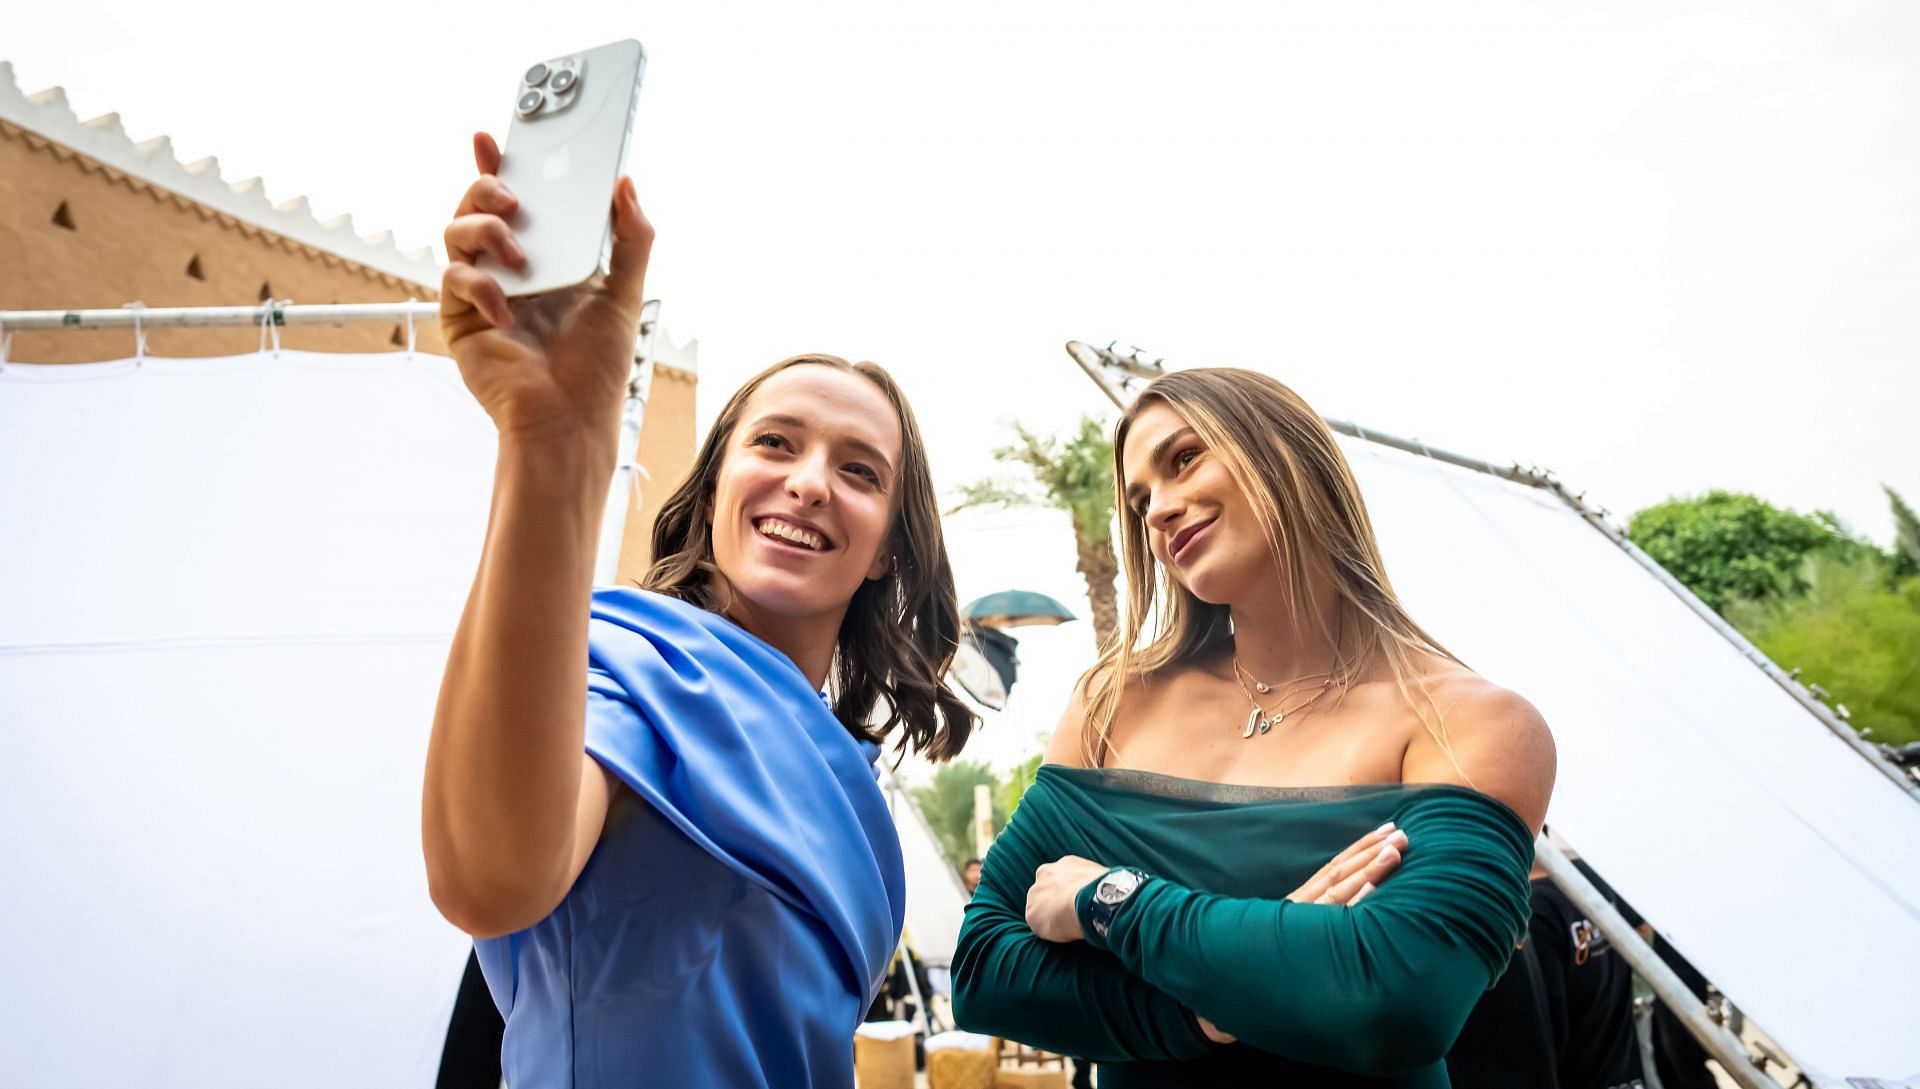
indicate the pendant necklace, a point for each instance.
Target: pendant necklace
{"x":1258,"y":720}
{"x":1263,"y":687}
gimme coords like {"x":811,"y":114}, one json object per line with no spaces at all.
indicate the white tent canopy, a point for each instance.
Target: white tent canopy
{"x":1764,"y":847}
{"x":936,"y":900}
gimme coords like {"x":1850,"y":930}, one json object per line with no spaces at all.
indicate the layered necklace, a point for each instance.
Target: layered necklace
{"x":1260,"y":720}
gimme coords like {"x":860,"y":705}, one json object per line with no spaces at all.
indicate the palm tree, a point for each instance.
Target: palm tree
{"x":946,"y":802}
{"x":1906,"y":539}
{"x":1075,"y":476}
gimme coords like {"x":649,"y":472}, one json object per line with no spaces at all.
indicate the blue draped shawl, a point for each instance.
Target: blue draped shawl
{"x":743,"y":903}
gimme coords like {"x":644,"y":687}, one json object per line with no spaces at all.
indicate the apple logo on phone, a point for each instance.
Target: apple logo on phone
{"x":556,"y":165}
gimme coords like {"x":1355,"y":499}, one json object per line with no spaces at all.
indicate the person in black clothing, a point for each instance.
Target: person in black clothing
{"x":1507,"y":1042}
{"x":1678,"y":1059}
{"x":470,"y":1058}
{"x":1561,"y":1016}
{"x":1589,"y":995}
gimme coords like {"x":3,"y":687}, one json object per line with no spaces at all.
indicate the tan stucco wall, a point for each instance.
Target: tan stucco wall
{"x":666,"y":450}
{"x":131,"y":241}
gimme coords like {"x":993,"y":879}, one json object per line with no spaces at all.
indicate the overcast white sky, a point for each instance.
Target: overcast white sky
{"x":1655,"y":247}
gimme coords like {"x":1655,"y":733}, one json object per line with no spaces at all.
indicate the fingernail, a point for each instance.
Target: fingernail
{"x":1387,"y":827}
{"x":1364,"y":889}
{"x":1382,"y":852}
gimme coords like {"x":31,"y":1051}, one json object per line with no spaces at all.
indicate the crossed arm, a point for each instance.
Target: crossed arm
{"x":1371,"y":987}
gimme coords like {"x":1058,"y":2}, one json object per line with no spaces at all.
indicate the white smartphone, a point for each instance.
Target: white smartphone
{"x":572,"y":119}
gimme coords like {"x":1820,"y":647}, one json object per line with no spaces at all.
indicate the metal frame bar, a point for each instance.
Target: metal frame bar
{"x":1116,"y":374}
{"x":1832,"y":721}
{"x":1723,"y":1045}
{"x":197,"y":317}
{"x":628,"y":472}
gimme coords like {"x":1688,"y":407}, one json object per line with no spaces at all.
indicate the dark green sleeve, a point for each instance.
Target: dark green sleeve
{"x":1066,"y":998}
{"x":1377,"y":988}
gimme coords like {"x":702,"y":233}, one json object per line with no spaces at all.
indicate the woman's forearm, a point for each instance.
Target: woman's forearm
{"x":1065,"y":998}
{"x":503,"y":773}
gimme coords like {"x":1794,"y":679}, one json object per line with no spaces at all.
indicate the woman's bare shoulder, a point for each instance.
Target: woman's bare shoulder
{"x":1500,"y":744}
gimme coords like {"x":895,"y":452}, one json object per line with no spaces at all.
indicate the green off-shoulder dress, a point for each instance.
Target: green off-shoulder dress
{"x":1318,"y":995}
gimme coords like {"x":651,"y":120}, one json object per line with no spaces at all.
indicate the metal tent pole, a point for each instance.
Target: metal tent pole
{"x":190,"y":317}
{"x":1724,"y":1046}
{"x":627,"y":473}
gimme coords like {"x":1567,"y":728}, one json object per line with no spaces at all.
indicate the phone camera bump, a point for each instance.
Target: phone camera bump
{"x":529,"y":103}
{"x":563,"y":81}
{"x":536,"y":75}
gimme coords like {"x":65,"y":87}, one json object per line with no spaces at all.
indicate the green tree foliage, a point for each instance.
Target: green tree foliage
{"x":1849,"y":633}
{"x":1726,"y":546}
{"x":947,"y":803}
{"x":1906,"y":537}
{"x":1074,"y":475}
{"x":1006,"y":796}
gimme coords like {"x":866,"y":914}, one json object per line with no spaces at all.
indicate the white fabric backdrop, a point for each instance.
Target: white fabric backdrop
{"x":226,"y":589}
{"x":1774,"y":857}
{"x":936,"y":900}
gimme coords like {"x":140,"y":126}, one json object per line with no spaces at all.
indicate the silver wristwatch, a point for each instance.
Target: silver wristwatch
{"x":1112,"y":891}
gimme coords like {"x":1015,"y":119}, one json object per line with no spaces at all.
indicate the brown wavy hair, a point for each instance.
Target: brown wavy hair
{"x":901,"y":629}
{"x":1285,"y":461}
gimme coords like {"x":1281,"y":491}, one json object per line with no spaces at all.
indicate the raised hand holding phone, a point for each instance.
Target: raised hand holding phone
{"x":554,"y":361}
{"x":505,"y":764}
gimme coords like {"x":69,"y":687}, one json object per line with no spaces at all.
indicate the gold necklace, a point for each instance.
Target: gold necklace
{"x":1259,"y":721}
{"x":1261,"y":686}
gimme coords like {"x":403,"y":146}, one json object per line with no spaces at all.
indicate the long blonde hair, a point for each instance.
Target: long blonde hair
{"x":1285,"y":461}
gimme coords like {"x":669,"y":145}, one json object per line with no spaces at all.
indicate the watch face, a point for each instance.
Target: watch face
{"x":1116,"y":887}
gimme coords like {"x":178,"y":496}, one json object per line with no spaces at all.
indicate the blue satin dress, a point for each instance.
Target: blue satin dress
{"x":743,"y":903}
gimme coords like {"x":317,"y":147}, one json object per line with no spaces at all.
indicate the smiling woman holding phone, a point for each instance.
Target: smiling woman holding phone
{"x":656,"y":809}
{"x":1168,"y":900}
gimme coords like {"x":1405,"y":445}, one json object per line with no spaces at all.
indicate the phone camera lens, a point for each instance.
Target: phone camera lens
{"x":536,"y":75}
{"x":563,"y":81}
{"x":529,"y":103}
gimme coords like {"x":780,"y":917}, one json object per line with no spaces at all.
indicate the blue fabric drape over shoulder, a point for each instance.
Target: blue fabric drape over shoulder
{"x":744,"y":901}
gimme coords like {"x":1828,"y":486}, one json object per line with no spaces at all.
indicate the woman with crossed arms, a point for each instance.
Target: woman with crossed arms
{"x":1162,"y":901}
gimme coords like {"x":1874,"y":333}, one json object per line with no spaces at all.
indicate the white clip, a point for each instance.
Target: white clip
{"x":269,"y":310}
{"x":139,"y":331}
{"x":410,"y":304}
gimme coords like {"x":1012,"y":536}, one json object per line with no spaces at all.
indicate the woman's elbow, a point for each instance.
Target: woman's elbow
{"x":1405,"y":1033}
{"x":489,"y":907}
{"x":1374,"y":1035}
{"x":978,"y":1005}
{"x":972,"y":1010}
